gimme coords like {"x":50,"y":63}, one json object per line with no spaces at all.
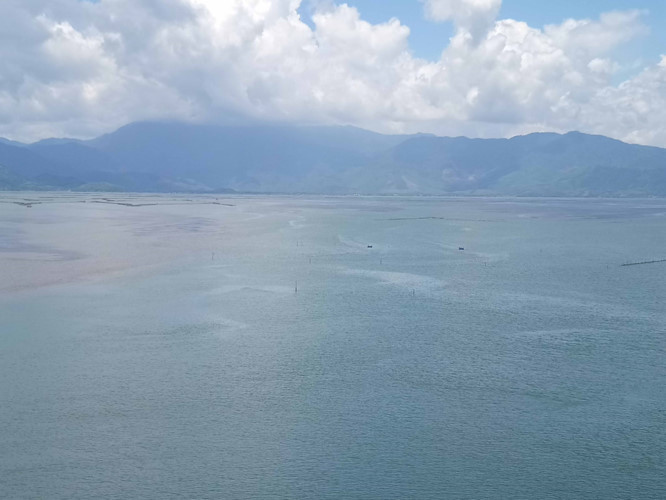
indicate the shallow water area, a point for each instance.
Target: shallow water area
{"x":158,"y":346}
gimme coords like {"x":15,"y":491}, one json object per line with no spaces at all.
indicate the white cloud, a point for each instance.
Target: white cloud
{"x":474,"y":17}
{"x":584,"y":37}
{"x":634,"y":111}
{"x":72,"y":68}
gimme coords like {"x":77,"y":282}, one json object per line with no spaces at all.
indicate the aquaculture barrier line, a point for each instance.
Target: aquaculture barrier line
{"x":641,"y":263}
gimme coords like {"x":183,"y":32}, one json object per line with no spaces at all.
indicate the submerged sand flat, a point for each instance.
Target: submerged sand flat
{"x":57,"y":238}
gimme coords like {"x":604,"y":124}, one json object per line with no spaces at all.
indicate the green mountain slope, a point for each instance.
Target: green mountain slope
{"x":162,"y":157}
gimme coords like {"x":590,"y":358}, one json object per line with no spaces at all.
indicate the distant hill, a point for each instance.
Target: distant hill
{"x":169,"y":157}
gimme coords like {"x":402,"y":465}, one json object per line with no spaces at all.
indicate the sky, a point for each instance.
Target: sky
{"x":480,"y":68}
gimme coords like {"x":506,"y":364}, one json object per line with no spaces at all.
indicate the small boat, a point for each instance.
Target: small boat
{"x":369,"y":246}
{"x":461,"y":248}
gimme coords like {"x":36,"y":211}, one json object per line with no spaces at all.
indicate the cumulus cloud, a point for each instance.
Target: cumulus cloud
{"x":474,"y":17}
{"x":71,"y":68}
{"x":634,"y":111}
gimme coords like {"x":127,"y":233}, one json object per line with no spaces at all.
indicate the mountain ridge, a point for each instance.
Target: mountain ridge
{"x":171,"y":156}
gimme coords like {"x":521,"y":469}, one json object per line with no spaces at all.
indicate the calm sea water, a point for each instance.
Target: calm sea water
{"x":161,"y":350}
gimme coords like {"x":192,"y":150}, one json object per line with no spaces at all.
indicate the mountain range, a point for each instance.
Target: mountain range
{"x":176,"y":157}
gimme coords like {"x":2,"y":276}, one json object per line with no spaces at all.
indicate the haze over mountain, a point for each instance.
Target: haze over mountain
{"x":168,"y":157}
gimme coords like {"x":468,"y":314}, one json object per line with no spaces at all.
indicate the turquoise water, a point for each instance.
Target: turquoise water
{"x":162,"y":351}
